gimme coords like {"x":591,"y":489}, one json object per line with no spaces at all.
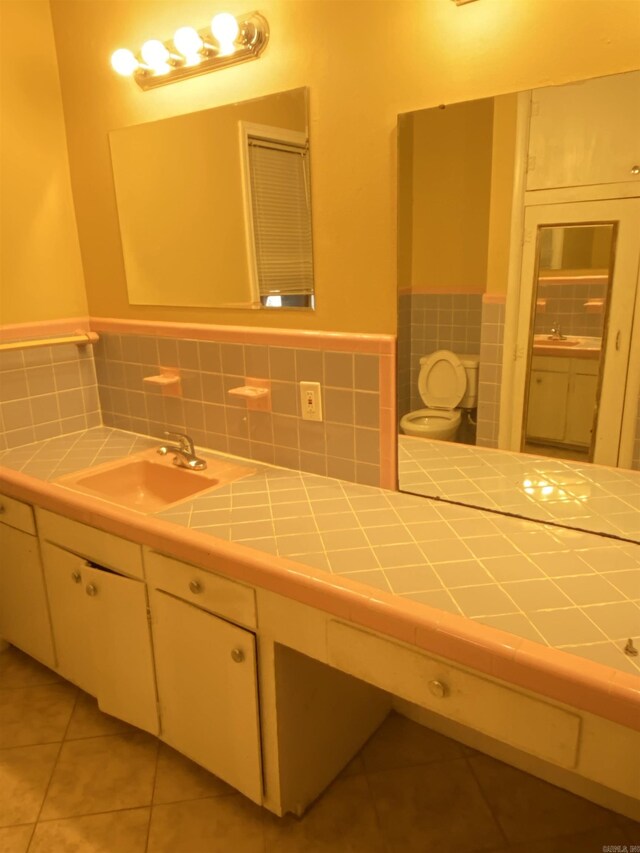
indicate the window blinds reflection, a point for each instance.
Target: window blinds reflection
{"x":281,"y":215}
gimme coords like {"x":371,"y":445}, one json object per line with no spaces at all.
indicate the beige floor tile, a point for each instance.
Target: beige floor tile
{"x":354,"y":768}
{"x":15,"y":839}
{"x":593,"y":841}
{"x":343,"y":820}
{"x":19,"y":670}
{"x":178,"y":778}
{"x":631,"y":828}
{"x":88,"y":720}
{"x":102,"y":774}
{"x":115,"y":832}
{"x":399,"y":742}
{"x":24,"y":775}
{"x":32,"y":715}
{"x":529,"y":809}
{"x":213,"y":825}
{"x":436,"y":806}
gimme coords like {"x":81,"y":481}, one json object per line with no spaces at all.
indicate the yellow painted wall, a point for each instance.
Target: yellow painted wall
{"x":451,"y":197}
{"x":41,"y":272}
{"x":180,"y":201}
{"x":364,"y":62}
{"x":505,"y":113}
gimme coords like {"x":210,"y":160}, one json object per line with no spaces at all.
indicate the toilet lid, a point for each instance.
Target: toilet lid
{"x":443,"y":380}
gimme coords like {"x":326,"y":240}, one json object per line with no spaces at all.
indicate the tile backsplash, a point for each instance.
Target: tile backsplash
{"x":346,"y":444}
{"x":46,"y":391}
{"x":490,"y":374}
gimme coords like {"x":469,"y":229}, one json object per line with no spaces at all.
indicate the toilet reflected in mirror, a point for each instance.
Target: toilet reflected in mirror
{"x":448,"y":386}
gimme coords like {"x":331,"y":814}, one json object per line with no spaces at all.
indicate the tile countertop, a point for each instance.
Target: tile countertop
{"x":592,"y":498}
{"x":544,"y":607}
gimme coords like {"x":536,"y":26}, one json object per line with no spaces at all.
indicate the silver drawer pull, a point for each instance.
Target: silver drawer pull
{"x":237,"y":655}
{"x":76,"y":577}
{"x":438,"y":688}
{"x":195,"y":587}
{"x":91,"y":589}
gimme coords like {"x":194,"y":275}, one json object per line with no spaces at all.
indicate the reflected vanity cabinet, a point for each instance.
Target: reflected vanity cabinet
{"x":99,"y":615}
{"x":206,"y":668}
{"x":562,"y":399}
{"x":24,"y":613}
{"x":602,"y":119}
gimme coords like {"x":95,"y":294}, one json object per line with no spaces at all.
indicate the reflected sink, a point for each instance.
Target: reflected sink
{"x":545,"y":341}
{"x":148,"y":483}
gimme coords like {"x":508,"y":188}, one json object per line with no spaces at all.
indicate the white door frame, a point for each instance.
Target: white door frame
{"x":620,"y":387}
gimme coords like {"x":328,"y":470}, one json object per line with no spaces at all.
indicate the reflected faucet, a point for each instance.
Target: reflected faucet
{"x":556,"y":333}
{"x":184,"y":452}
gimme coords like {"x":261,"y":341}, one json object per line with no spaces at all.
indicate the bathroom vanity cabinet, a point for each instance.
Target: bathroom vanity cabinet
{"x":24,"y":614}
{"x":275,"y":696}
{"x":562,"y":398}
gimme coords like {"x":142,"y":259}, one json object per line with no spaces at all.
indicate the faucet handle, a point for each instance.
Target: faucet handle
{"x":185,"y":441}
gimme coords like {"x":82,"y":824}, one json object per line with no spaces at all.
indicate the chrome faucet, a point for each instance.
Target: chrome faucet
{"x":556,"y":333}
{"x":184,"y":452}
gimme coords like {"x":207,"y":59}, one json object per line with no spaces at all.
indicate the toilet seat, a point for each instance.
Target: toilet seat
{"x":431,"y":423}
{"x":442,"y":381}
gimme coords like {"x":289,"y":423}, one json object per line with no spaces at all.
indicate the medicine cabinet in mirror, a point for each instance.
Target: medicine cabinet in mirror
{"x":519,"y":252}
{"x":215,"y":208}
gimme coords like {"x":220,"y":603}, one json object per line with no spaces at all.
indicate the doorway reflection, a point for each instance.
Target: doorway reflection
{"x":569,"y":313}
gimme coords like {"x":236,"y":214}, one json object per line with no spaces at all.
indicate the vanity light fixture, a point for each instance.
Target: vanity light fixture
{"x":228,"y":41}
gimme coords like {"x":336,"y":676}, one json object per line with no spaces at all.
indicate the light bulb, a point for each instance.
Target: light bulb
{"x":225,"y":30}
{"x":189,"y":44}
{"x":124,"y":62}
{"x":155,"y":54}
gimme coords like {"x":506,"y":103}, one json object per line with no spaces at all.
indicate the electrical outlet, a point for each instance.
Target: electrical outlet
{"x":311,"y":401}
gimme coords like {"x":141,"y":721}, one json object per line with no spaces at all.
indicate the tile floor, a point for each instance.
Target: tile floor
{"x":73,"y":780}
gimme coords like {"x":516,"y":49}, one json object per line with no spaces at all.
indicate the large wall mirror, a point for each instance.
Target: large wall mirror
{"x":519,"y":304}
{"x":214,"y":206}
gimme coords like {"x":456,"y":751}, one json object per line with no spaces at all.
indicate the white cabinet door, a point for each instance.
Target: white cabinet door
{"x":101,"y":629}
{"x":601,"y":117}
{"x":207,"y":686}
{"x":581,"y":405}
{"x":547,"y":407}
{"x":24,"y":614}
{"x":122,"y":644}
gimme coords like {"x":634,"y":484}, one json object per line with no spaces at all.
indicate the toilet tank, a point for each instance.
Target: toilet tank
{"x":471,"y":364}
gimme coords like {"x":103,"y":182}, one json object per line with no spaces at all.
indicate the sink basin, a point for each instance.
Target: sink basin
{"x":544,"y":341}
{"x":149,"y":483}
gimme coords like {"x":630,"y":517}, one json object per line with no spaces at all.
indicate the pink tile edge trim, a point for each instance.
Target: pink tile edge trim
{"x":388,"y":436}
{"x":548,"y":672}
{"x":302,"y":338}
{"x":494,"y":298}
{"x":43,"y":328}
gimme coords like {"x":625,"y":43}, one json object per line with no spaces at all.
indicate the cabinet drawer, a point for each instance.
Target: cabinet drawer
{"x":477,"y":702}
{"x":17,"y":514}
{"x":554,"y":364}
{"x":96,"y":545}
{"x":227,"y":598}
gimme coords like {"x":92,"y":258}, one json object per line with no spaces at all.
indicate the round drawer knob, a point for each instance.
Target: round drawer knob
{"x":2,"y":509}
{"x":237,"y":655}
{"x":438,"y":688}
{"x":76,"y":577}
{"x":635,"y":170}
{"x":91,"y":589}
{"x":195,"y":587}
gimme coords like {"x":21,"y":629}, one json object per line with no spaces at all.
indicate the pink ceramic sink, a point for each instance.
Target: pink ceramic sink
{"x":149,"y":483}
{"x":553,"y":342}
